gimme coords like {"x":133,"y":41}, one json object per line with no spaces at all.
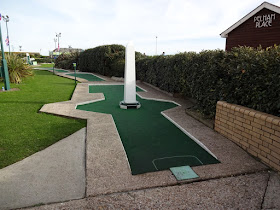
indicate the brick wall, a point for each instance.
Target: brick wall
{"x":256,"y":132}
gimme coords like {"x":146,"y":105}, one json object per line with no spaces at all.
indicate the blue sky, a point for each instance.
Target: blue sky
{"x":180,"y":25}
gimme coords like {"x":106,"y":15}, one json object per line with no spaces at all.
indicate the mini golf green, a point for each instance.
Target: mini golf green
{"x":89,"y":77}
{"x":150,"y":140}
{"x":55,"y":69}
{"x":60,"y":70}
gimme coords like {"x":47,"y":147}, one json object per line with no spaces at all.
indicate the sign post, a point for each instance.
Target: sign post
{"x":53,"y":66}
{"x":4,"y":68}
{"x":55,"y":54}
{"x":74,"y":65}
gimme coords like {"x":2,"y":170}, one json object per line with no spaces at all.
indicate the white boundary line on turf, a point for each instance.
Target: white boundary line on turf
{"x":158,"y":99}
{"x":88,"y":102}
{"x":188,"y":134}
{"x":169,"y":157}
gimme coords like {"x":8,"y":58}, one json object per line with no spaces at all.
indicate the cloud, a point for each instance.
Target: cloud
{"x":179,"y":24}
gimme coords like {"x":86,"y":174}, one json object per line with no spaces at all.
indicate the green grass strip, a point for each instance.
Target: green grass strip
{"x":150,"y":140}
{"x":24,"y":131}
{"x":88,"y":77}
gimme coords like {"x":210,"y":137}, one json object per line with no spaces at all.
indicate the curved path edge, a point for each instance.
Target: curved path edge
{"x":106,"y":168}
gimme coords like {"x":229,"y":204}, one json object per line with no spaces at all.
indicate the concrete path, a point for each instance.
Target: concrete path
{"x":242,"y":192}
{"x":238,"y":182}
{"x":52,"y":175}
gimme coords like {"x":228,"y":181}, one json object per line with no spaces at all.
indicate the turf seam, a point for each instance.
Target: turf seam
{"x":153,"y":161}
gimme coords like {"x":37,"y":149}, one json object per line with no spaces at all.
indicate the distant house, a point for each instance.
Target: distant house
{"x":64,"y":50}
{"x":68,"y":50}
{"x":259,"y":27}
{"x":24,"y":53}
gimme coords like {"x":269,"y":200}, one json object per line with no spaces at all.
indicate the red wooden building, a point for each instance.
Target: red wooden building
{"x":259,"y":27}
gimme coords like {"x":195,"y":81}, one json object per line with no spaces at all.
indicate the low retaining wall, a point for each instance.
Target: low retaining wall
{"x":256,"y":132}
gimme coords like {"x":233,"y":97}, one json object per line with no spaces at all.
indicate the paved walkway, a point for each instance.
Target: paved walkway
{"x":238,"y":182}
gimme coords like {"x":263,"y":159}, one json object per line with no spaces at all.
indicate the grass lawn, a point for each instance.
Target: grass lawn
{"x":24,"y":131}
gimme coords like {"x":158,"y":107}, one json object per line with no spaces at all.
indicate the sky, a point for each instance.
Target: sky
{"x":154,"y":26}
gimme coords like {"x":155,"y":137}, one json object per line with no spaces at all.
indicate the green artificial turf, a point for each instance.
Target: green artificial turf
{"x":89,"y":77}
{"x":60,"y":70}
{"x":24,"y":131}
{"x":51,"y":68}
{"x":150,"y":140}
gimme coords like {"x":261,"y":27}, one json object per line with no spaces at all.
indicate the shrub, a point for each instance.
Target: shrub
{"x":244,"y":76}
{"x":66,"y":60}
{"x":254,"y":78}
{"x":108,"y":60}
{"x":44,"y":59}
{"x":17,"y":68}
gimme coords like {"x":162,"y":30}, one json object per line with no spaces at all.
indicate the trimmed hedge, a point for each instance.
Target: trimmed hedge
{"x":66,"y":60}
{"x":108,"y":60}
{"x":244,"y":76}
{"x":44,"y":60}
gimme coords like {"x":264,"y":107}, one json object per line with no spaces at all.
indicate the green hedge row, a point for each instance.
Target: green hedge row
{"x":108,"y":60}
{"x":66,"y":60}
{"x":44,"y":60}
{"x":243,"y":76}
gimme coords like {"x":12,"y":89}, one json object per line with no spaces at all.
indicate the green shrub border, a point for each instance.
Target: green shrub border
{"x":244,"y":76}
{"x":108,"y":60}
{"x":66,"y":60}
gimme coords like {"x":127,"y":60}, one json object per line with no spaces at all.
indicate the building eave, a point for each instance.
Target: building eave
{"x":266,"y":5}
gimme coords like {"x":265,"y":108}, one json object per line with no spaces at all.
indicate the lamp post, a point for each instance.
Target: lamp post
{"x":156,"y":45}
{"x":74,"y":65}
{"x":4,"y":68}
{"x":58,"y":35}
{"x":55,"y":40}
{"x":7,"y":19}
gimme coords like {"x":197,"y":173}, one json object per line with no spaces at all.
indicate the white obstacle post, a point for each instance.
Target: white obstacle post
{"x":129,"y":101}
